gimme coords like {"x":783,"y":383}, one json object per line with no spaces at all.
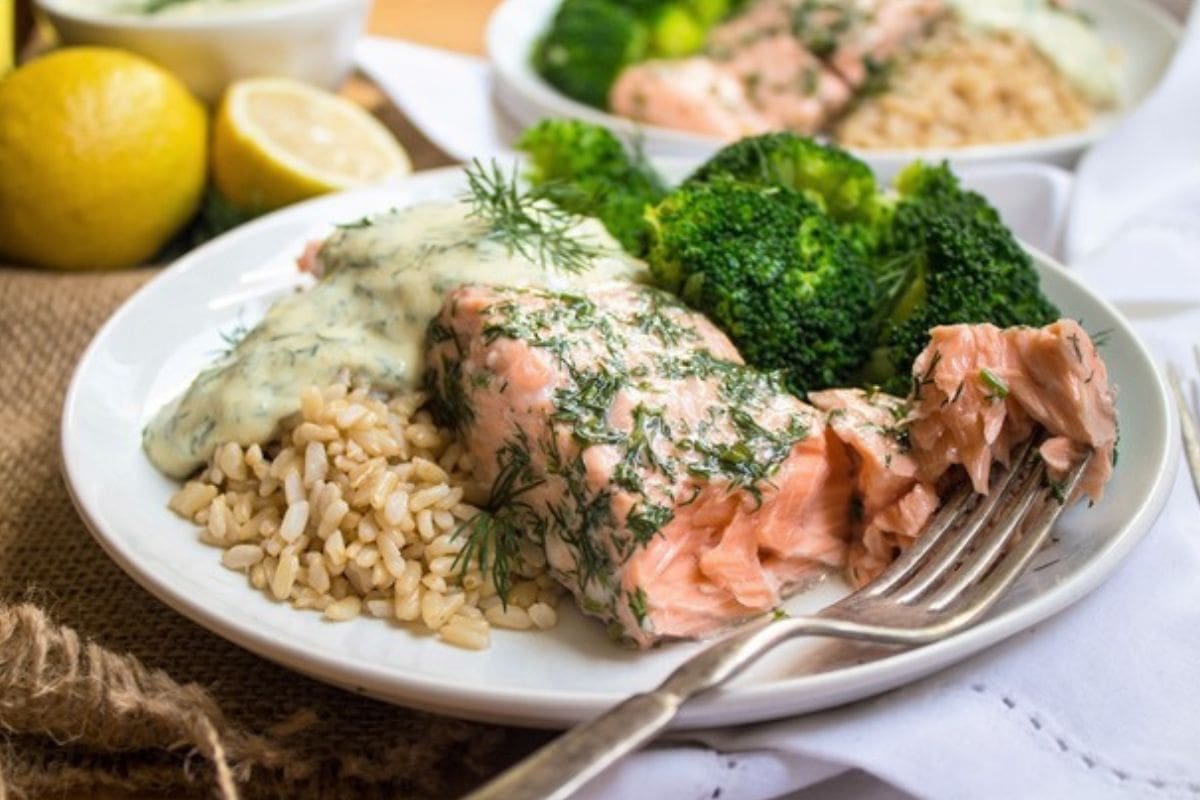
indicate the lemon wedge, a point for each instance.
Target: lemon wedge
{"x":276,"y":141}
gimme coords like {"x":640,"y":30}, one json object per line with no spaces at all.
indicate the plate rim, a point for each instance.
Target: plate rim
{"x":514,"y":74}
{"x":544,"y":708}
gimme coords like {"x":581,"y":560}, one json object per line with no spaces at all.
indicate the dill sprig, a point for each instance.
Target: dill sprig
{"x":232,"y":338}
{"x":494,"y":535}
{"x":536,"y":229}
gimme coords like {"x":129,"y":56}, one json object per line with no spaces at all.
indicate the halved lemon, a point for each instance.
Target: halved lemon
{"x":276,"y":141}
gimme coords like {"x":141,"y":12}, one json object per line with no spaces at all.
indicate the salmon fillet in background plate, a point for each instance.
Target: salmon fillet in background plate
{"x":675,"y":490}
{"x":779,"y":65}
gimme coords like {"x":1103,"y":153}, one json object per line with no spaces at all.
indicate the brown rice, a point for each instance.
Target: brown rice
{"x":357,"y":509}
{"x":964,"y":88}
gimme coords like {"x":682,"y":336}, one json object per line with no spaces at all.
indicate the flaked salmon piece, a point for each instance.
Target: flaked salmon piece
{"x":877,"y":32}
{"x":978,"y":391}
{"x":758,"y":19}
{"x":674,"y":490}
{"x":789,"y":86}
{"x":781,"y":64}
{"x":308,"y":260}
{"x":851,"y":37}
{"x":894,"y":502}
{"x":691,"y":94}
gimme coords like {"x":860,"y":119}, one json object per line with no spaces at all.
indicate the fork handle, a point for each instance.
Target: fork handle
{"x":560,"y":768}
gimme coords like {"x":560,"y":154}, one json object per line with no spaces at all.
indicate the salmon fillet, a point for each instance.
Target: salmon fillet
{"x":673,"y":489}
{"x":978,"y":391}
{"x":894,"y":500}
{"x":692,"y":94}
{"x":851,"y":37}
{"x":780,"y":65}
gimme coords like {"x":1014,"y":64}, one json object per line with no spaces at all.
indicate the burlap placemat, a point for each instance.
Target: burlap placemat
{"x":104,"y":691}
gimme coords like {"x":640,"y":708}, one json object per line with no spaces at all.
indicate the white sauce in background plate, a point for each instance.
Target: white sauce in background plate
{"x":1060,"y":34}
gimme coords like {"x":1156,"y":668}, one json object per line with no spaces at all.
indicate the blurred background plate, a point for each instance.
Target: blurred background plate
{"x":309,"y":40}
{"x":1145,"y":34}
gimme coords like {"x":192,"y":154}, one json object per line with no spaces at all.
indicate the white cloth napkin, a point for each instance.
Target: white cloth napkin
{"x":448,"y":96}
{"x":1101,"y":701}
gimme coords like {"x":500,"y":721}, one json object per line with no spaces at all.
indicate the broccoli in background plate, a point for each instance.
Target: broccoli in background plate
{"x":590,"y":41}
{"x":585,"y":170}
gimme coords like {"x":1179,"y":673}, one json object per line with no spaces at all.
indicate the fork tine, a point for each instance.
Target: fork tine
{"x":950,"y":550}
{"x":1196,"y":353}
{"x":996,"y":537}
{"x":941,"y":529}
{"x":1013,"y":564}
{"x":935,"y":532}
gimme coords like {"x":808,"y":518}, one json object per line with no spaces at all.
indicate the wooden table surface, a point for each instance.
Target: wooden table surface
{"x":453,"y":24}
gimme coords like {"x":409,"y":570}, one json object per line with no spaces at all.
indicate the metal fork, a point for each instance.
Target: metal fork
{"x":973,"y":549}
{"x":1188,"y":426}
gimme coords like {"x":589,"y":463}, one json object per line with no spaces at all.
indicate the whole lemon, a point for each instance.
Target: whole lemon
{"x":102,"y":159}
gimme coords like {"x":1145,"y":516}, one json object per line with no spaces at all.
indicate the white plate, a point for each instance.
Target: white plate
{"x":165,"y":333}
{"x":1145,"y":34}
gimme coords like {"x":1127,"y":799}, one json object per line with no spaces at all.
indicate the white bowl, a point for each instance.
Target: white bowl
{"x":1145,"y":35}
{"x":310,"y":40}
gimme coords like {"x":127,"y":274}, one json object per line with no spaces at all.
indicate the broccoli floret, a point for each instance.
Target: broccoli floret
{"x":676,"y":32}
{"x":841,"y":185}
{"x":585,"y":169}
{"x":677,"y":27}
{"x":587,"y":44}
{"x":946,"y":258}
{"x":772,"y":271}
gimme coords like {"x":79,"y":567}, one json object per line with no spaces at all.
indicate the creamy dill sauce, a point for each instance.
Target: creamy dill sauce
{"x":1071,"y":43}
{"x":383,"y":281}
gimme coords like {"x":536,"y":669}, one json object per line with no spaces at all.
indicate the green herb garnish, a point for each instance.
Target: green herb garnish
{"x":992,"y":381}
{"x":535,"y":229}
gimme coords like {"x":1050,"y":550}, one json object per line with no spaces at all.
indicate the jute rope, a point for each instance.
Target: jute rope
{"x":105,"y":692}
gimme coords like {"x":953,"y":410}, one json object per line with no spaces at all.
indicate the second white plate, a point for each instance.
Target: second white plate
{"x":1144,"y":33}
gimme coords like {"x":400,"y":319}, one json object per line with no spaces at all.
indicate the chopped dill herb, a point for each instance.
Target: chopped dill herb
{"x":778,"y":614}
{"x":1074,"y":339}
{"x":535,"y":229}
{"x":637,"y":604}
{"x":647,"y":519}
{"x":999,"y":389}
{"x":451,"y":404}
{"x":494,"y":535}
{"x":927,"y":377}
{"x":233,"y":337}
{"x":437,"y":333}
{"x":364,"y":221}
{"x":585,"y":402}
